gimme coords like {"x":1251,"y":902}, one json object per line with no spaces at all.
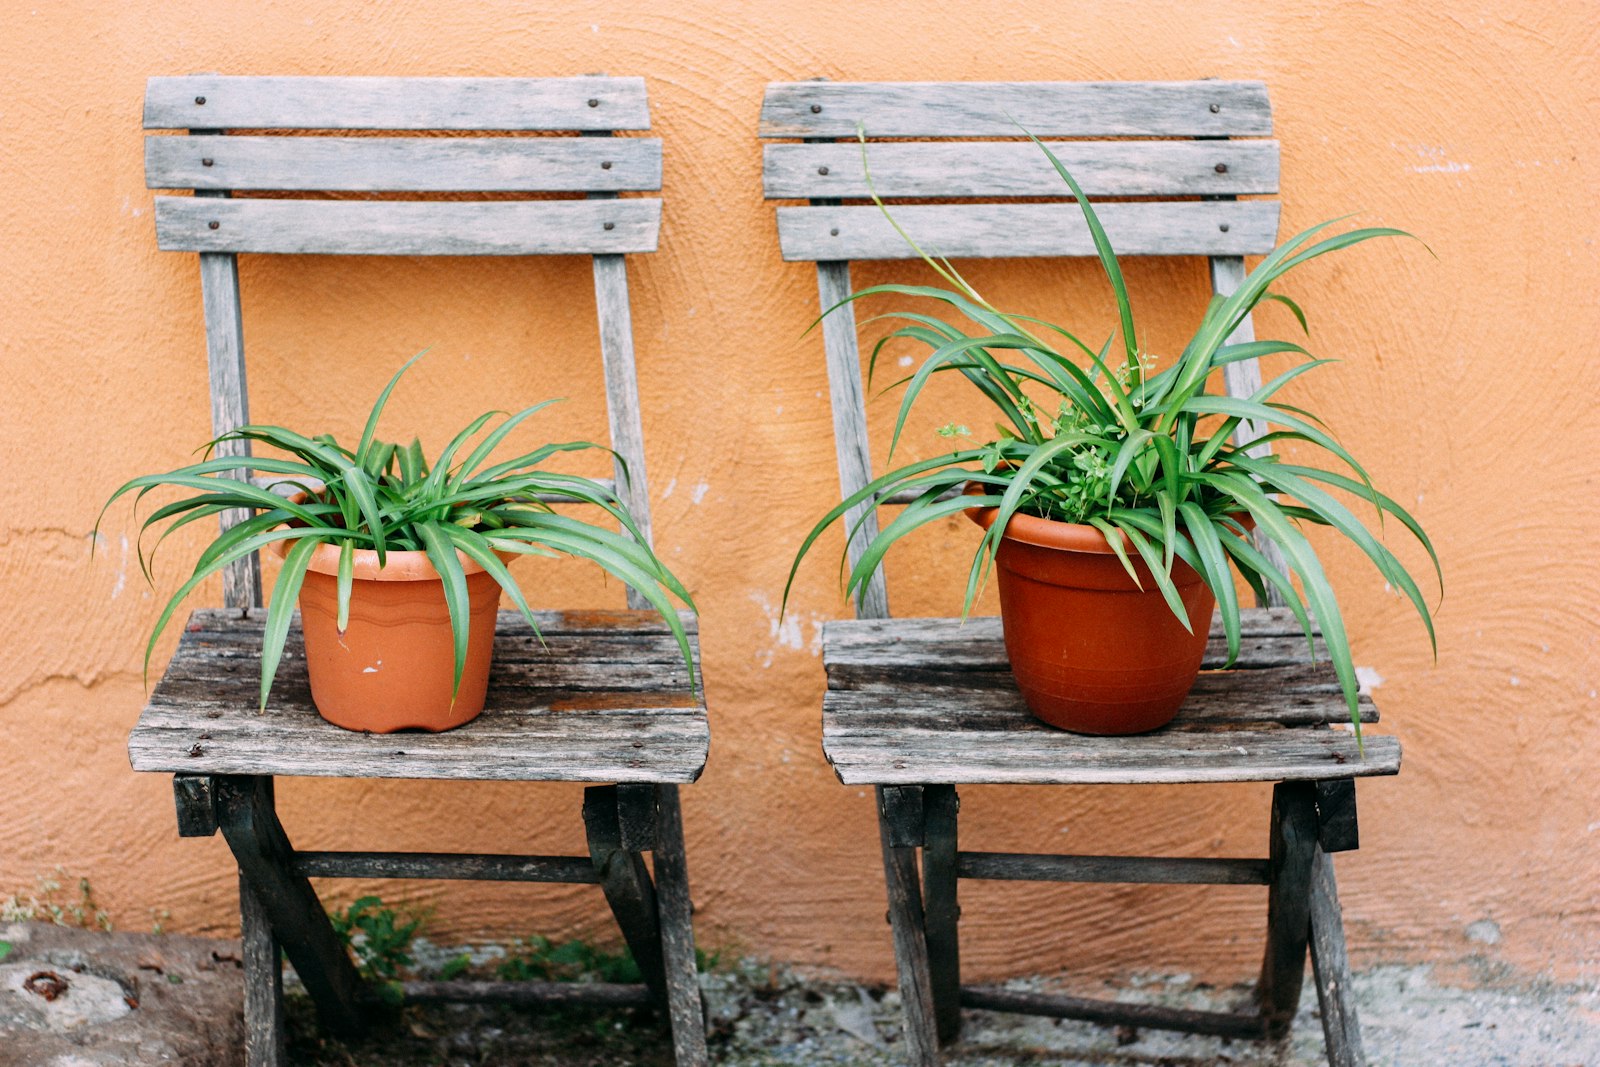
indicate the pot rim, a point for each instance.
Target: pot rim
{"x":1052,"y":533}
{"x":1046,"y":533}
{"x":400,"y":565}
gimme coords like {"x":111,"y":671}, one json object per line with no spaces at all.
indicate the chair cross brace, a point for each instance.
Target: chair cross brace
{"x":1309,"y":821}
{"x":282,"y":914}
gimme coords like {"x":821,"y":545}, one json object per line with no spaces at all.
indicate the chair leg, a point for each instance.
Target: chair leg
{"x":942,"y":910}
{"x":290,"y":906}
{"x":1293,"y":847}
{"x":264,"y":1038}
{"x":1331,"y":968}
{"x":684,"y":1002}
{"x":910,"y":946}
{"x":625,"y":880}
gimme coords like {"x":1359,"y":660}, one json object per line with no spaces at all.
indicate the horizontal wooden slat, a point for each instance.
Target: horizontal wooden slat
{"x":213,"y":101}
{"x":1008,"y":168}
{"x":1142,"y":870}
{"x":989,"y":231}
{"x":922,"y":697}
{"x":600,"y":701}
{"x":475,"y":867}
{"x":542,"y":994}
{"x":1269,"y":637}
{"x":1114,"y":1012}
{"x":408,"y":227}
{"x":410,"y":164}
{"x":276,"y":484}
{"x":990,"y":109}
{"x":1058,"y":758}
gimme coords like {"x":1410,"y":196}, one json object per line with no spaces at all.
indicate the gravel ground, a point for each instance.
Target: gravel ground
{"x":768,"y":1017}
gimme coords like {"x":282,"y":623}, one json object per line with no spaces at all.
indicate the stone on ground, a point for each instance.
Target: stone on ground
{"x":81,"y":998}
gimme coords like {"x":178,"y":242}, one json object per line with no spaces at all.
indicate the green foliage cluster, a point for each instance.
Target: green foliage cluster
{"x":389,"y":498}
{"x":1149,"y":457}
{"x":48,"y":902}
{"x":543,"y":960}
{"x":378,"y":936}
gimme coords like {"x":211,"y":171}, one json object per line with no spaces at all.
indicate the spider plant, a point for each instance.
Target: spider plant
{"x":1147,"y":455}
{"x":387,"y":497}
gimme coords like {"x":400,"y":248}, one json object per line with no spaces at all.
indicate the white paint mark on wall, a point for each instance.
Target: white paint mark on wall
{"x":373,"y":669}
{"x":672,"y":483}
{"x":1369,"y":678}
{"x":789,"y":632}
{"x":122,"y":570}
{"x":700,"y":491}
{"x":1437,"y":161}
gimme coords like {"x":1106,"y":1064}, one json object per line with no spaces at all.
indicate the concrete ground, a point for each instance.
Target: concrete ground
{"x":768,"y":1017}
{"x":143,"y":999}
{"x":1408,"y":1019}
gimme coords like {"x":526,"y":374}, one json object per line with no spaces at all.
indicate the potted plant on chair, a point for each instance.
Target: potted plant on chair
{"x":398,"y":563}
{"x":1115,"y":501}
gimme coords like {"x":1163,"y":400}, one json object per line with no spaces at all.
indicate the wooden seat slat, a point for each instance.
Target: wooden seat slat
{"x":1000,"y":230}
{"x":408,"y":227}
{"x":997,"y":109}
{"x":215,"y":101}
{"x":1269,"y":637}
{"x":586,"y":710}
{"x":408,"y":164}
{"x":1010,"y":168}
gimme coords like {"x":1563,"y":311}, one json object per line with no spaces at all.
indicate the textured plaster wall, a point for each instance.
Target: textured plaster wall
{"x":1468,"y":386}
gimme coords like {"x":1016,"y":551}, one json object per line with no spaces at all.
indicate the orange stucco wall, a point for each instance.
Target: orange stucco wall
{"x":1468,"y":385}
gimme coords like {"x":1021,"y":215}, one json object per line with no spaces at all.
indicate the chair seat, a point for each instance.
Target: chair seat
{"x":921,"y":701}
{"x":605,"y":699}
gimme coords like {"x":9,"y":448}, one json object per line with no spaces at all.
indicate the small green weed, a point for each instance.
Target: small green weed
{"x":379,"y":937}
{"x":539,"y":959}
{"x":45,"y":904}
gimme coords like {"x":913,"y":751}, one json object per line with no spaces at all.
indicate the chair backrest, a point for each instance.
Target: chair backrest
{"x":1170,"y":144}
{"x":214,"y":164}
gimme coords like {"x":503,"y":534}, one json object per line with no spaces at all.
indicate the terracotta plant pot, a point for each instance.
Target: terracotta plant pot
{"x":393,"y":666}
{"x":1091,"y":652}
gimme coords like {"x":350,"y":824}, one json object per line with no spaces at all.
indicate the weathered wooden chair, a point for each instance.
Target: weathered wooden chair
{"x":918,"y":707}
{"x":609,"y":702}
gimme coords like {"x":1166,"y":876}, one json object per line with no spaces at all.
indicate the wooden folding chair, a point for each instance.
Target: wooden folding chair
{"x":918,"y":707}
{"x":609,"y":701}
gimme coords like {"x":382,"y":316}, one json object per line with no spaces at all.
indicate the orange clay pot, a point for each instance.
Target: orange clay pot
{"x":1091,"y":652}
{"x":393,"y":666}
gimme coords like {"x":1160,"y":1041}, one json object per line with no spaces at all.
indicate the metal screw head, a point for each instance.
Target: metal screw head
{"x":200,"y":100}
{"x":834,"y":232}
{"x":822,"y":170}
{"x":1223,"y":226}
{"x":1221,"y":168}
{"x":206,"y":162}
{"x":816,"y":109}
{"x":610,"y":226}
{"x":605,"y":165}
{"x":213,"y":224}
{"x":1215,"y":108}
{"x":593,"y":102}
